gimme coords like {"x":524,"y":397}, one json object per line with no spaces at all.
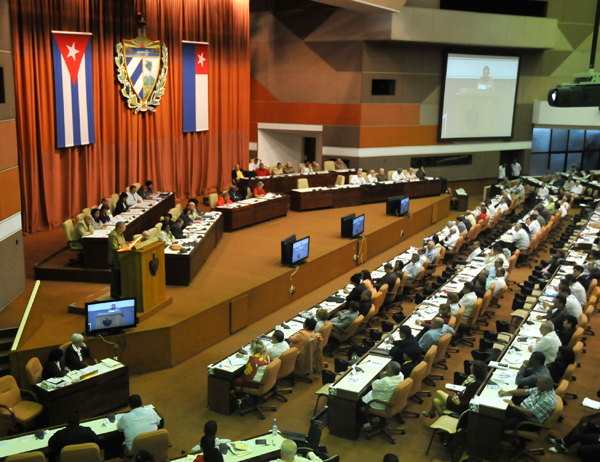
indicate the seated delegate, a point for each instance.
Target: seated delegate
{"x":53,"y":368}
{"x":132,"y":196}
{"x":224,"y":199}
{"x":138,"y":420}
{"x":340,"y":165}
{"x":73,"y":433}
{"x":121,"y":205}
{"x":288,"y":168}
{"x":288,"y":453}
{"x":278,"y":345}
{"x":383,"y":388}
{"x":83,"y":228}
{"x":77,"y":353}
{"x":300,"y":338}
{"x":262,"y":170}
{"x":259,"y":190}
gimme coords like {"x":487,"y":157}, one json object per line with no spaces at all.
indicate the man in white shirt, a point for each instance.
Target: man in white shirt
{"x":549,"y":343}
{"x":398,"y":175}
{"x":383,"y":388}
{"x":305,"y":169}
{"x":491,"y":210}
{"x":572,"y":304}
{"x":132,"y":196}
{"x":254,"y":164}
{"x":521,"y":238}
{"x":576,"y":190}
{"x":430,"y":252}
{"x":533,"y":225}
{"x":569,"y":184}
{"x":288,"y":453}
{"x":138,"y":420}
{"x":503,"y":205}
{"x":499,"y":280}
{"x":494,"y":255}
{"x":358,"y":178}
{"x":278,"y":345}
{"x":468,"y":299}
{"x":577,"y":290}
{"x":476,"y":251}
{"x":372,"y":177}
{"x":515,"y":169}
{"x":413,"y":268}
{"x":452,"y":239}
{"x":543,"y":192}
{"x":518,"y":188}
{"x":501,"y":172}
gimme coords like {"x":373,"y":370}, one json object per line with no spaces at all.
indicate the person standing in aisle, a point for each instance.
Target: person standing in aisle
{"x":515,"y":170}
{"x":501,"y":172}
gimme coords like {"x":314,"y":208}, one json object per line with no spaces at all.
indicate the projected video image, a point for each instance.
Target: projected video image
{"x":110,"y":315}
{"x":300,"y":250}
{"x":479,"y":96}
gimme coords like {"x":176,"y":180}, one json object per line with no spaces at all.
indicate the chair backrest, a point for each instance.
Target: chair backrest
{"x":372,"y":312}
{"x":35,"y":456}
{"x":417,"y":375}
{"x":86,"y":211}
{"x":248,"y":193}
{"x":112,"y":202}
{"x":550,"y":421}
{"x":137,"y":185}
{"x":269,"y":378}
{"x":430,"y":357}
{"x":325,"y":331}
{"x":379,"y":297}
{"x":288,"y":361}
{"x":213,"y":198}
{"x":175,"y":213}
{"x":351,"y":329}
{"x":328,"y":165}
{"x":68,"y":229}
{"x":567,"y":374}
{"x":33,"y":370}
{"x":592,"y":286}
{"x":578,"y":351}
{"x":452,"y":322}
{"x":86,"y":452}
{"x":442,"y":345}
{"x":576,"y":337}
{"x":459,"y":315}
{"x":392,"y":293}
{"x":487,"y":297}
{"x":340,"y":180}
{"x":10,"y":395}
{"x":582,"y":320}
{"x":562,"y":388}
{"x":399,"y":398}
{"x":156,"y":443}
{"x":390,"y":174}
{"x":79,"y":217}
{"x":302,"y":183}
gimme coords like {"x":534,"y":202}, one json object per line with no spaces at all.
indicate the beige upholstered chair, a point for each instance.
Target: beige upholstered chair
{"x":328,"y":165}
{"x":86,"y":452}
{"x":18,"y":414}
{"x":288,"y":362}
{"x":302,"y":183}
{"x":212,"y":200}
{"x":35,"y":456}
{"x":33,"y":370}
{"x":394,"y":407}
{"x":156,"y":443}
{"x":266,"y":384}
{"x":340,"y":180}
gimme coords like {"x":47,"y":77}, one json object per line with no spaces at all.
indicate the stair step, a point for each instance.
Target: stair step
{"x":6,"y":343}
{"x":4,"y":358}
{"x":8,"y":332}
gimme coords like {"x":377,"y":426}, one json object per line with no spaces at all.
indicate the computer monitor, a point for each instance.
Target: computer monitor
{"x":358,"y":225}
{"x":397,"y":206}
{"x":286,"y":249}
{"x":347,"y":225}
{"x":300,"y":251}
{"x":404,"y":204}
{"x":110,"y":317}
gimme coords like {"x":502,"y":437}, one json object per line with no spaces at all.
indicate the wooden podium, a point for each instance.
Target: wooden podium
{"x":143,"y":276}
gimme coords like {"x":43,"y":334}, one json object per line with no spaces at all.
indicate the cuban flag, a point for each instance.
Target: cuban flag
{"x":73,"y":89}
{"x":195,"y":87}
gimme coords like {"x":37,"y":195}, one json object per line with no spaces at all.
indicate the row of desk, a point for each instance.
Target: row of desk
{"x":283,"y":184}
{"x":352,"y":195}
{"x":255,"y":210}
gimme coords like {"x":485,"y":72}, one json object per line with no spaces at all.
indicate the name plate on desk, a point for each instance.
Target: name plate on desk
{"x":488,"y":407}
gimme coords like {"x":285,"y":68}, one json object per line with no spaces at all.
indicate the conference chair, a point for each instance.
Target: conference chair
{"x":417,"y":375}
{"x":259,"y":394}
{"x":452,"y":322}
{"x":456,"y":249}
{"x":392,"y":294}
{"x":453,"y":199}
{"x":112,"y":202}
{"x":469,"y":323}
{"x":441,"y":355}
{"x":340,"y":180}
{"x":79,"y":217}
{"x":137,"y":185}
{"x":588,"y":313}
{"x":534,"y":431}
{"x":302,"y":183}
{"x":393,"y":408}
{"x":156,"y":443}
{"x":485,"y":303}
{"x":367,"y":319}
{"x":325,"y":332}
{"x":576,"y":337}
{"x":345,"y":336}
{"x":428,"y":359}
{"x":18,"y":415}
{"x":432,"y":267}
{"x":512,"y":263}
{"x":329,"y":165}
{"x":175,"y":212}
{"x":448,"y":425}
{"x":305,"y":362}
{"x":459,"y":316}
{"x":86,"y":211}
{"x":288,"y":363}
{"x":86,"y":452}
{"x":35,"y":456}
{"x":33,"y":370}
{"x":390,"y":174}
{"x":592,"y":287}
{"x":74,"y":245}
{"x":213,"y":198}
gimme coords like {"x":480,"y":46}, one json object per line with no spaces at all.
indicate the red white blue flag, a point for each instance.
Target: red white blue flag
{"x":195,"y":86}
{"x":73,"y":88}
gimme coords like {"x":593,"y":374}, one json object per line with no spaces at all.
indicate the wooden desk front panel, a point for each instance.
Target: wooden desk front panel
{"x":237,"y":218}
{"x":343,"y":420}
{"x":347,"y":197}
{"x":311,"y":200}
{"x":284,"y":184}
{"x":270,"y":209}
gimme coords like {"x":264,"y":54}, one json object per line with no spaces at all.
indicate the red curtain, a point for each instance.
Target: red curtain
{"x":57,"y":184}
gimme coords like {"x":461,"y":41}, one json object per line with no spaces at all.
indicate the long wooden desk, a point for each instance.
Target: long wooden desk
{"x":111,"y":439}
{"x":350,"y":195}
{"x":181,"y":268}
{"x":95,"y":247}
{"x":283,"y":184}
{"x":94,"y":396}
{"x":252,"y":211}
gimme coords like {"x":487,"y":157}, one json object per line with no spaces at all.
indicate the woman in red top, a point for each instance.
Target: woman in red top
{"x":483,"y":214}
{"x":224,"y":199}
{"x":258,"y":190}
{"x":255,"y":367}
{"x":262,"y":170}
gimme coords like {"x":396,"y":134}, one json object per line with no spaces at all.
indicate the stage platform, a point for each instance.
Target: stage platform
{"x":241,"y":282}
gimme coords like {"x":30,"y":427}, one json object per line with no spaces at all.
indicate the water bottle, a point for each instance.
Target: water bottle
{"x":274,"y":431}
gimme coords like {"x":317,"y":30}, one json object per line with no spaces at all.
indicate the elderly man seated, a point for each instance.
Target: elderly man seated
{"x":537,"y":406}
{"x":288,"y":453}
{"x":358,"y":178}
{"x":437,"y":330}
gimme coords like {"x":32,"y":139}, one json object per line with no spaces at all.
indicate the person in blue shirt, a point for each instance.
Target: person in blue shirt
{"x":431,"y":337}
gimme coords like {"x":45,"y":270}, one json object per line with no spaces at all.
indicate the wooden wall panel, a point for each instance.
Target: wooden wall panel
{"x":416,"y":135}
{"x":305,"y":113}
{"x":440,"y":210}
{"x":8,"y":135}
{"x":419,"y":220}
{"x":239,"y":313}
{"x":10,"y":197}
{"x":390,"y":114}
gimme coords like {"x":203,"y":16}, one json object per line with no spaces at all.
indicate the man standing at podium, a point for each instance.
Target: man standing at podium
{"x":116,"y":240}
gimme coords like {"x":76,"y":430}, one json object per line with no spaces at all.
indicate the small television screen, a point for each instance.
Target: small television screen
{"x":347,"y":225}
{"x":115,"y":315}
{"x":404,"y":203}
{"x":300,"y":250}
{"x":358,"y":225}
{"x":397,"y":206}
{"x":286,"y":249}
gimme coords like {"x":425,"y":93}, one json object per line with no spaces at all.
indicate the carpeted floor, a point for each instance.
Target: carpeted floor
{"x":179,"y":393}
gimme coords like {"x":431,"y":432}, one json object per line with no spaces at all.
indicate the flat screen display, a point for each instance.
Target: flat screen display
{"x":347,"y":225}
{"x":397,"y":206}
{"x":358,"y":226}
{"x":286,"y":249}
{"x":300,"y":250}
{"x":107,"y":316}
{"x":404,"y":204}
{"x":479,"y":96}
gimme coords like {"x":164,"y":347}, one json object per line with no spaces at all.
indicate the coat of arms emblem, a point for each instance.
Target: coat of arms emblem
{"x":142,"y":71}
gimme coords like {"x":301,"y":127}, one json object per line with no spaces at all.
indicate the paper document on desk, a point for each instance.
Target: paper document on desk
{"x":461,"y":192}
{"x":235,"y":361}
{"x":456,"y":388}
{"x":587,"y":402}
